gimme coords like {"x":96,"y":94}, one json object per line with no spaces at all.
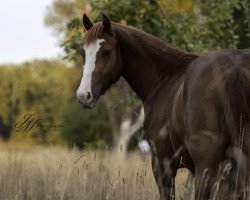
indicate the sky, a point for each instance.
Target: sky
{"x":23,"y":35}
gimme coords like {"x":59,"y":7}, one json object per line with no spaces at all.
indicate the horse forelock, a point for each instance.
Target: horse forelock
{"x":96,"y":32}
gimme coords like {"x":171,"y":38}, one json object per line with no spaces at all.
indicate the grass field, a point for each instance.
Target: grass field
{"x":59,"y":173}
{"x":43,"y":173}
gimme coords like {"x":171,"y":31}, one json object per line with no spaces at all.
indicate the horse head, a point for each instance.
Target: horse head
{"x":102,"y":61}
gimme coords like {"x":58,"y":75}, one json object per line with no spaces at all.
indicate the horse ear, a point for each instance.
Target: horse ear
{"x":106,"y":23}
{"x":86,"y":22}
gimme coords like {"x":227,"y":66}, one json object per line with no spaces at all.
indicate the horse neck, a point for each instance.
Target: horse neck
{"x":148,"y":61}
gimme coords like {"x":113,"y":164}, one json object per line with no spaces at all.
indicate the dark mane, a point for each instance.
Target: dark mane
{"x":157,"y":47}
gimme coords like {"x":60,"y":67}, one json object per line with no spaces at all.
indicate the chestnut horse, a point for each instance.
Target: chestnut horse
{"x":196,"y":107}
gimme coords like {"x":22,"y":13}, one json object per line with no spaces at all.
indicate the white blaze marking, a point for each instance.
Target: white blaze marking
{"x":90,"y":59}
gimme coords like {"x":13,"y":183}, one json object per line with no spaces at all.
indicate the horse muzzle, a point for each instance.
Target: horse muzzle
{"x":86,"y":99}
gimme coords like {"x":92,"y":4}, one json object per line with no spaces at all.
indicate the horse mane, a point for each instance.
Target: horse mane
{"x":178,"y":58}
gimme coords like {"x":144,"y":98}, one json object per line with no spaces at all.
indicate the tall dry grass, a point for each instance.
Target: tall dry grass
{"x":56,"y":173}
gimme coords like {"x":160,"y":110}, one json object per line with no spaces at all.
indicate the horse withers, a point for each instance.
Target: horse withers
{"x":196,"y":107}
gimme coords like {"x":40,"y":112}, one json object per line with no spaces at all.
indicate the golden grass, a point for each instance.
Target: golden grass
{"x":59,"y":173}
{"x":43,"y":173}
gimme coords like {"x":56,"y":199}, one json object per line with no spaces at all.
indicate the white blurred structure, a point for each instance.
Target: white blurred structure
{"x":144,"y":146}
{"x":127,"y":130}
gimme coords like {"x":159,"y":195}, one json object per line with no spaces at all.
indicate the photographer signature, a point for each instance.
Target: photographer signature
{"x":30,"y":122}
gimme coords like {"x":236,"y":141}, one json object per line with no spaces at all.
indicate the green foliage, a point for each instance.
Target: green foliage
{"x":8,"y":108}
{"x":86,"y":127}
{"x":73,"y":43}
{"x":129,"y":98}
{"x":242,"y":17}
{"x":143,"y":14}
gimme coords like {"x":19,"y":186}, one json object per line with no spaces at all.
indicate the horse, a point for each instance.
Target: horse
{"x":196,"y":106}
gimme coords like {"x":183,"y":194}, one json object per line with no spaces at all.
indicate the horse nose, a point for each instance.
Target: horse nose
{"x":85,"y":97}
{"x":88,"y":96}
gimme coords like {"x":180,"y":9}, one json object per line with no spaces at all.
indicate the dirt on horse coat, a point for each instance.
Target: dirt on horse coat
{"x":196,"y":107}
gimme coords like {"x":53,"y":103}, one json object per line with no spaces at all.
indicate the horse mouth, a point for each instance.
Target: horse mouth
{"x":88,"y":104}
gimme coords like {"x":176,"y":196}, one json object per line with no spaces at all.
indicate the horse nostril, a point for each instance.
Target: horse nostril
{"x":88,"y":96}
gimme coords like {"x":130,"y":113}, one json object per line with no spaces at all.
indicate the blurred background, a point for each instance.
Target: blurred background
{"x":41,"y":68}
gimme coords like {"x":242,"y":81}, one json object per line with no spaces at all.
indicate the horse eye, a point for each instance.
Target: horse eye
{"x":107,"y":53}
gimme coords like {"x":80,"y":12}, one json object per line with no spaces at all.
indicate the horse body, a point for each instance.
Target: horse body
{"x":217,"y":116}
{"x":186,"y":98}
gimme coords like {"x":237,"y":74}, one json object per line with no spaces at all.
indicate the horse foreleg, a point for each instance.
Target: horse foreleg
{"x":164,"y":172}
{"x":164,"y":166}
